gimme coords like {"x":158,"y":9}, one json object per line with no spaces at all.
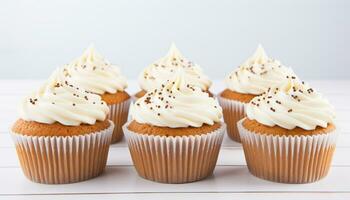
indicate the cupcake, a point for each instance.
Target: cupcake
{"x":63,"y":133}
{"x":164,"y":70}
{"x":95,"y":74}
{"x":289,"y":134}
{"x":175,"y":133}
{"x":249,"y":80}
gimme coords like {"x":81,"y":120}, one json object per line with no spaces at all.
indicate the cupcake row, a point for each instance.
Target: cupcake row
{"x":176,"y":128}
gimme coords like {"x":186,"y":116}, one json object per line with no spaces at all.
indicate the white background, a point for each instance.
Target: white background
{"x":310,"y":36}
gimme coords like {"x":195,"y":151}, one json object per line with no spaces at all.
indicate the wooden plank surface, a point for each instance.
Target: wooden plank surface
{"x":123,"y":179}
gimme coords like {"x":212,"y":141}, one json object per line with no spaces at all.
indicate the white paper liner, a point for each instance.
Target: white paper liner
{"x":179,"y":159}
{"x":288,"y":159}
{"x":63,"y":159}
{"x":233,"y":111}
{"x":118,"y":113}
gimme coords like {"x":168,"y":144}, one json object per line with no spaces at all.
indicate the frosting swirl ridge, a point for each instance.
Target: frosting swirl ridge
{"x":176,"y":104}
{"x":164,"y":69}
{"x":95,"y":74}
{"x":294,"y":104}
{"x":257,"y":74}
{"x":60,"y":101}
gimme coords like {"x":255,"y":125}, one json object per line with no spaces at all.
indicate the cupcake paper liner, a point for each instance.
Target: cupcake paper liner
{"x":179,"y":159}
{"x":63,"y":159}
{"x":288,"y":159}
{"x":118,"y":113}
{"x":233,"y":111}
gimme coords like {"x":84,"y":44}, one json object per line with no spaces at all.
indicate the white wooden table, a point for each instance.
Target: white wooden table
{"x":231,"y":178}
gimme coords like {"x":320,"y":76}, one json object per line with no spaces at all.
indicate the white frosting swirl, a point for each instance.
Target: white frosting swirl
{"x":257,"y":74}
{"x":177,"y":104}
{"x":164,"y":69}
{"x":292,"y":105}
{"x":95,"y":74}
{"x":60,"y":101}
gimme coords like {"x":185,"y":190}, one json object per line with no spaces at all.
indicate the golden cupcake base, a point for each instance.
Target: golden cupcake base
{"x":233,"y":111}
{"x":179,"y":159}
{"x":63,"y":159}
{"x":288,"y":159}
{"x":118,"y":113}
